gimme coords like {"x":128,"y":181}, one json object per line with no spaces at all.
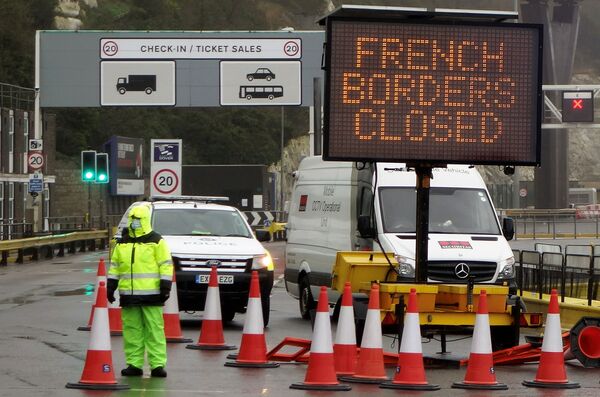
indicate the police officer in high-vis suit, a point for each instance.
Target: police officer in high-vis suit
{"x":142,"y":269}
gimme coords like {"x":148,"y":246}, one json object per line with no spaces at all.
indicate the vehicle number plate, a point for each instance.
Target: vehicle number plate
{"x":223,"y":279}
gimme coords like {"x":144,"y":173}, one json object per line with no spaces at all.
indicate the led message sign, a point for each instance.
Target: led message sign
{"x":432,"y":93}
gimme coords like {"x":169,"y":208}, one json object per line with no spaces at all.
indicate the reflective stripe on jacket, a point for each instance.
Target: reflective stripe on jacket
{"x":142,"y":265}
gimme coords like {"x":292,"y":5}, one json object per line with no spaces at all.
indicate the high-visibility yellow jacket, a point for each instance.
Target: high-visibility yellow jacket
{"x":141,"y":263}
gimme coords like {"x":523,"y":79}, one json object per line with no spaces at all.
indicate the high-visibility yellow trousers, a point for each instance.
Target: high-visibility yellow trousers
{"x":144,"y":332}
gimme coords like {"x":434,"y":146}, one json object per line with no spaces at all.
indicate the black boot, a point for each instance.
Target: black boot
{"x":132,"y":371}
{"x":159,"y":372}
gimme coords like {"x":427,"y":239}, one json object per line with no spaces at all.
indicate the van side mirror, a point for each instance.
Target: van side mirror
{"x":364,"y":227}
{"x":508,"y":228}
{"x":263,"y":235}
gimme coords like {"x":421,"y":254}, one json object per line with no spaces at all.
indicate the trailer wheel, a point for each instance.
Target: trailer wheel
{"x":148,"y":90}
{"x":306,"y":301}
{"x":505,"y":337}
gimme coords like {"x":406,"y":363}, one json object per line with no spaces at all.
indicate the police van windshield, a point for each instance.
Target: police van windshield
{"x":199,"y":222}
{"x":451,"y":210}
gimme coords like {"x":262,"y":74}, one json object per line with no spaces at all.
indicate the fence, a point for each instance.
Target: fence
{"x":572,"y":273}
{"x":561,"y":223}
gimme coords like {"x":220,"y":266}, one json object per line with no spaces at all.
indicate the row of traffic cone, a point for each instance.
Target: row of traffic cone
{"x":328,"y":361}
{"x":327,"y":364}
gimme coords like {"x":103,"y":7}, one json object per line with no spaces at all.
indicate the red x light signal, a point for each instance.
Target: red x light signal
{"x":578,"y":106}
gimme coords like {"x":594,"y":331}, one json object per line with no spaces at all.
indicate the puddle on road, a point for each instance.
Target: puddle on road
{"x":88,"y":290}
{"x":17,"y":300}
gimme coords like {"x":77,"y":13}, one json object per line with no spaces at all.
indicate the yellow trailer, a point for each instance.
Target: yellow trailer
{"x":443,"y":308}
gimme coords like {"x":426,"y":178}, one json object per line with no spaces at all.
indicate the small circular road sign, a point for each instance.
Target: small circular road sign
{"x":165,"y":181}
{"x":110,"y":48}
{"x":35,"y":160}
{"x":291,"y":48}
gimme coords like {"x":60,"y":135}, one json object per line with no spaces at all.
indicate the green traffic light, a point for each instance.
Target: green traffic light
{"x":89,"y":175}
{"x":101,"y":177}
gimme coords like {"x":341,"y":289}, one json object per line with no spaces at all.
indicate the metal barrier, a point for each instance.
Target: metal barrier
{"x":9,"y":231}
{"x":553,"y":223}
{"x":69,"y":241}
{"x":572,"y":273}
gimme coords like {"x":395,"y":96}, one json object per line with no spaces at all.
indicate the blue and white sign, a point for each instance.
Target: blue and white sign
{"x":166,"y":151}
{"x":36,"y":183}
{"x":165,"y":167}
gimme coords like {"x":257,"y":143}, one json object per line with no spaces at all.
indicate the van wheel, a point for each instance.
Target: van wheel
{"x":306,"y":301}
{"x":266,"y":308}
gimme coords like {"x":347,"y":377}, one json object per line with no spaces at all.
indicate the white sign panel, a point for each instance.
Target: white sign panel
{"x":210,"y":48}
{"x":137,"y":83}
{"x":261,"y":83}
{"x":36,"y":145}
{"x":130,"y":187}
{"x":165,"y":168}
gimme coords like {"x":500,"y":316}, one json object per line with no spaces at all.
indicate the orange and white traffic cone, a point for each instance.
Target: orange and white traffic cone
{"x":173,"y":332}
{"x":211,"y":333}
{"x":370,"y":364}
{"x":114,"y":317}
{"x":253,"y":349}
{"x":551,"y":372}
{"x":98,"y":372}
{"x":410,"y":371}
{"x":320,"y":374}
{"x":100,"y":276}
{"x":344,"y":348}
{"x":480,"y":370}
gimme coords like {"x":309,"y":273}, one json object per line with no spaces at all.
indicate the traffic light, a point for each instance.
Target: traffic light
{"x":102,"y":168}
{"x":578,"y":106}
{"x":88,"y":165}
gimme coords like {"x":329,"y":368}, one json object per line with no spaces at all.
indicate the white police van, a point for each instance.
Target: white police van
{"x":202,"y":234}
{"x":346,"y":206}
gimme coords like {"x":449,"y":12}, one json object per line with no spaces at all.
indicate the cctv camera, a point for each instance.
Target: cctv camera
{"x":509,"y":170}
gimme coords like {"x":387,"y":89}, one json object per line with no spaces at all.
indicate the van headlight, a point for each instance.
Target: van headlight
{"x":406,"y":266}
{"x":263,"y":261}
{"x":507,"y":268}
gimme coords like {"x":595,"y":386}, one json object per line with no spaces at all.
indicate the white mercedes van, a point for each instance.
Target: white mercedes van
{"x":346,"y":206}
{"x":202,"y":234}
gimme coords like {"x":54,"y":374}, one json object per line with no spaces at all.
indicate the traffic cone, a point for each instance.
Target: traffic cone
{"x":410,"y":371}
{"x":370,"y":364}
{"x":480,"y":370}
{"x":253,"y":349}
{"x":98,"y":373}
{"x":583,"y":344}
{"x":320,"y":374}
{"x":171,"y":317}
{"x":100,"y":276}
{"x":551,"y":372}
{"x":344,"y":349}
{"x":211,"y":333}
{"x":114,"y":317}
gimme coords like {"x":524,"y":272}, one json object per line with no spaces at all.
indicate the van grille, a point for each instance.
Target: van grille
{"x":444,"y":271}
{"x":205,"y":262}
